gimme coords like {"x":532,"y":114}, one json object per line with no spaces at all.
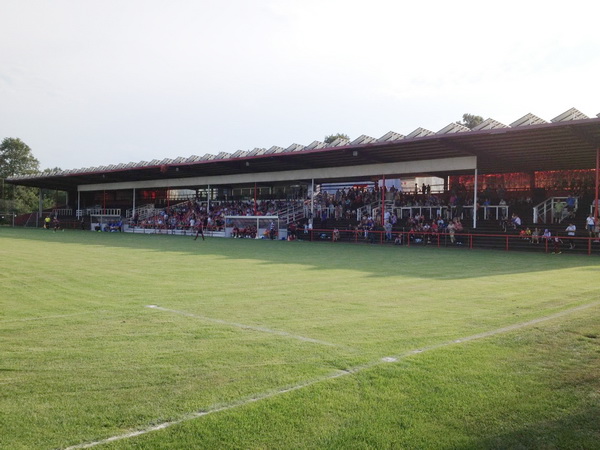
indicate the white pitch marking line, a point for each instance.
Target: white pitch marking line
{"x":213,"y":410}
{"x":243,"y":326}
{"x":337,"y":374}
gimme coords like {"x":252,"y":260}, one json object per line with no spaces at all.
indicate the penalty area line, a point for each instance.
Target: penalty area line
{"x":337,"y":374}
{"x":485,"y":334}
{"x":216,"y":409}
{"x":244,"y":326}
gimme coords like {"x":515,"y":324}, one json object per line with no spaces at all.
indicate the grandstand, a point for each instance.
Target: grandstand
{"x":122,"y":341}
{"x":487,"y":174}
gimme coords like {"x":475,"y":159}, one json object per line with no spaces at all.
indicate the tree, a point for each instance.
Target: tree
{"x":332,"y":137}
{"x":16,"y":158}
{"x":470,"y":121}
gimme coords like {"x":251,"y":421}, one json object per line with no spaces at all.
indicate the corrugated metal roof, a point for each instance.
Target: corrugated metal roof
{"x":529,"y":143}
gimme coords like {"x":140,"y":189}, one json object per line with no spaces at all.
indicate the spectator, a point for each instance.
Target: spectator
{"x":547,"y":235}
{"x":451,"y":229}
{"x":272,"y":231}
{"x":571,"y":234}
{"x":516,"y":221}
{"x":388,"y":230}
{"x":558,"y":211}
{"x":590,"y":224}
{"x":336,"y":234}
{"x":571,"y":201}
{"x":556,"y":241}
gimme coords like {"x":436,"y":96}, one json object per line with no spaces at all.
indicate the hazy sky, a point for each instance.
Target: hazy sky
{"x":87,"y":83}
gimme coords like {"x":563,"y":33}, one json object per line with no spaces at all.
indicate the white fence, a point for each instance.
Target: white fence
{"x":98,"y":212}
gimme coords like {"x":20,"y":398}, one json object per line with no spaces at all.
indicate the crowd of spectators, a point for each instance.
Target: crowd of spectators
{"x":188,"y":215}
{"x":442,"y":213}
{"x":418,"y":228}
{"x":346,"y":203}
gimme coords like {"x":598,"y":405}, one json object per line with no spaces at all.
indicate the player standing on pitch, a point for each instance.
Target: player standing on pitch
{"x":200,"y":228}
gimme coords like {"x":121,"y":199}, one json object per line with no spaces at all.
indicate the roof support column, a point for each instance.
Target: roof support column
{"x":475,"y":201}
{"x":312,"y":199}
{"x":40,"y":205}
{"x":382,"y":190}
{"x":133,"y":210}
{"x":208,"y":200}
{"x":597,"y":182}
{"x":78,"y":213}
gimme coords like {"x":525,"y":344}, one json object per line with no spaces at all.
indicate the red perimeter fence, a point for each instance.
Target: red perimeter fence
{"x":467,"y":240}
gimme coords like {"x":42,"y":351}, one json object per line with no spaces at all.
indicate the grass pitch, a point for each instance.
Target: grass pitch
{"x":270,"y":344}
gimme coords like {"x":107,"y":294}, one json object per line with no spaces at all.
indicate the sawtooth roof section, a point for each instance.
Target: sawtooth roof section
{"x":419,"y":132}
{"x":489,"y":124}
{"x":295,"y":148}
{"x":390,"y":136}
{"x":363,"y":139}
{"x":571,"y":114}
{"x":339,"y":142}
{"x":526,"y":120}
{"x":453,"y":128}
{"x":315,"y":145}
{"x":274,"y":149}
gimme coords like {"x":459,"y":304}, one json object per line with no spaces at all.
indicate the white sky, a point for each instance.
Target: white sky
{"x":87,"y":83}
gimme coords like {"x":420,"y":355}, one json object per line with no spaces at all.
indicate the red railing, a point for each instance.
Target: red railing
{"x":468,"y":240}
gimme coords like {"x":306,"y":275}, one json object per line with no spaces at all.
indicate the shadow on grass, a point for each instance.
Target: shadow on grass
{"x":580,"y":430}
{"x":376,"y":260}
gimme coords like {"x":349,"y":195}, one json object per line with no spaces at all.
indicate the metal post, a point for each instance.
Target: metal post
{"x":475,"y":201}
{"x":312,"y":199}
{"x":78,"y":213}
{"x":597,"y":182}
{"x":133,"y":211}
{"x":255,"y":201}
{"x":40,"y":206}
{"x":382,"y":200}
{"x":208,"y":199}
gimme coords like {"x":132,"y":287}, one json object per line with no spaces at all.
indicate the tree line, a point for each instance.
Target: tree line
{"x":16,"y":158}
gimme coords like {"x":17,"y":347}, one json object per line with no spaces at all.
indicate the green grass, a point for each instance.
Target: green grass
{"x":82,"y":357}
